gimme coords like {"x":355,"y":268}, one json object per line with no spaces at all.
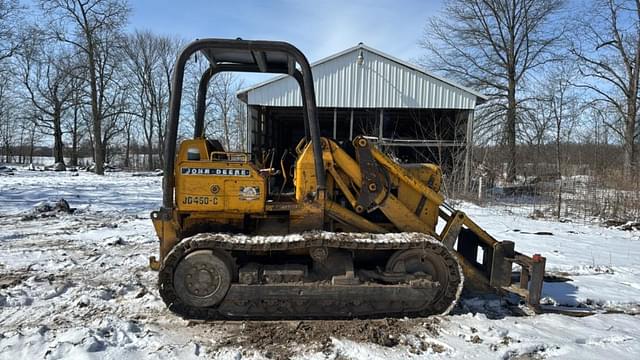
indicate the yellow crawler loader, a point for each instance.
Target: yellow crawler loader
{"x":356,"y":235}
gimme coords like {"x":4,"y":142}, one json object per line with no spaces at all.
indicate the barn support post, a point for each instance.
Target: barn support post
{"x":249,"y":119}
{"x":381,"y":129}
{"x":335,"y":123}
{"x":468,"y":150}
{"x":261,"y":129}
{"x":351,"y":126}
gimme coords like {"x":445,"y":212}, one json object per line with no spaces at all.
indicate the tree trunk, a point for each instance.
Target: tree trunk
{"x":58,"y":146}
{"x":510,"y":130}
{"x":559,"y":169}
{"x":98,"y":149}
{"x":74,"y":138}
{"x":31,"y":151}
{"x":629,"y":139}
{"x":105,"y":152}
{"x":536,"y":161}
{"x":150,"y":154}
{"x":150,"y":141}
{"x":91,"y":142}
{"x":225,"y":123}
{"x":32,"y":141}
{"x":242,"y":126}
{"x":127,"y":149}
{"x":161,"y":132}
{"x":21,"y":147}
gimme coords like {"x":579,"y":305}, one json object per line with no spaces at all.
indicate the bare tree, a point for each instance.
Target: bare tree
{"x":149,"y":60}
{"x":7,"y":117}
{"x":114,"y":103}
{"x":10,"y":26}
{"x":493,"y":45}
{"x":141,"y":60}
{"x":129,"y":130}
{"x":559,"y":102}
{"x":168,"y":48}
{"x":607,"y":46}
{"x":91,"y":26}
{"x":223,"y":97}
{"x":535,"y":127}
{"x":30,"y":138}
{"x":240,"y":122}
{"x":10,"y":20}
{"x":46,"y":74}
{"x":193,"y":73}
{"x":226,"y":112}
{"x":75,"y":124}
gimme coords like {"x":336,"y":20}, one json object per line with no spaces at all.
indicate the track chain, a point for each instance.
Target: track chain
{"x":354,"y":241}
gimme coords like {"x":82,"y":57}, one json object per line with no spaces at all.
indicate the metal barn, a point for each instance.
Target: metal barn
{"x":410,"y":113}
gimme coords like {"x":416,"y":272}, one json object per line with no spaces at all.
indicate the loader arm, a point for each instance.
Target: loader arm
{"x":379,"y":181}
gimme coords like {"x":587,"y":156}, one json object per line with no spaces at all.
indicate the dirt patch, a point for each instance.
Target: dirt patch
{"x":283,"y":339}
{"x":11,"y":280}
{"x":537,"y":353}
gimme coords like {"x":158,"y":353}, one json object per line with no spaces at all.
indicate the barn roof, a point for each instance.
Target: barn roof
{"x":378,"y":81}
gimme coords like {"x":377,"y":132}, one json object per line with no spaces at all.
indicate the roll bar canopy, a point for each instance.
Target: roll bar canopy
{"x":240,"y":56}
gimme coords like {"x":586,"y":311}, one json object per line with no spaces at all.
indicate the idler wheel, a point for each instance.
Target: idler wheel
{"x":202,"y":278}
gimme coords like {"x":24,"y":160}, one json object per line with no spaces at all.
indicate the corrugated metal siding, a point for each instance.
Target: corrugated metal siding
{"x":378,"y":83}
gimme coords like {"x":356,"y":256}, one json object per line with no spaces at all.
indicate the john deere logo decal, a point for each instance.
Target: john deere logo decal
{"x":249,"y":193}
{"x":214,"y":171}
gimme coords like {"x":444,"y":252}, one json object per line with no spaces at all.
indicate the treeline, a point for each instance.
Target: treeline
{"x":77,"y":81}
{"x":556,"y":73}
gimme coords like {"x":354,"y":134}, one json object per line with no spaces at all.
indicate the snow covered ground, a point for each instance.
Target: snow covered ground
{"x":78,"y":286}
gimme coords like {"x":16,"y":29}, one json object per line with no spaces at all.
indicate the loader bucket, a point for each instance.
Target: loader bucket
{"x":488,"y":263}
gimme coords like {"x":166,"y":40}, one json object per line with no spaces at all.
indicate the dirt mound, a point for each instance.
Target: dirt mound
{"x":281,"y":339}
{"x":49,"y":209}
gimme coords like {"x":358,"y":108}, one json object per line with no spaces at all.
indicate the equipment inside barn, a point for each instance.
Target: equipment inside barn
{"x":412,"y":115}
{"x":348,"y":232}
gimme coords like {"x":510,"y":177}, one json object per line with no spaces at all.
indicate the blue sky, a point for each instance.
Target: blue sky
{"x":318,"y":28}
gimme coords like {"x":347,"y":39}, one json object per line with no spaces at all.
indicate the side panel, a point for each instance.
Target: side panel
{"x":219,"y":186}
{"x":214,"y":181}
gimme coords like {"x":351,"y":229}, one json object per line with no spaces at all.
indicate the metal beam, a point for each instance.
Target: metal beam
{"x":203,"y":86}
{"x":249,"y":120}
{"x":351,"y":126}
{"x":261,"y":60}
{"x":424,"y":144}
{"x":209,"y":55}
{"x":468,"y":150}
{"x":335,"y":123}
{"x":381,"y":128}
{"x":416,"y":142}
{"x":291,"y":65}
